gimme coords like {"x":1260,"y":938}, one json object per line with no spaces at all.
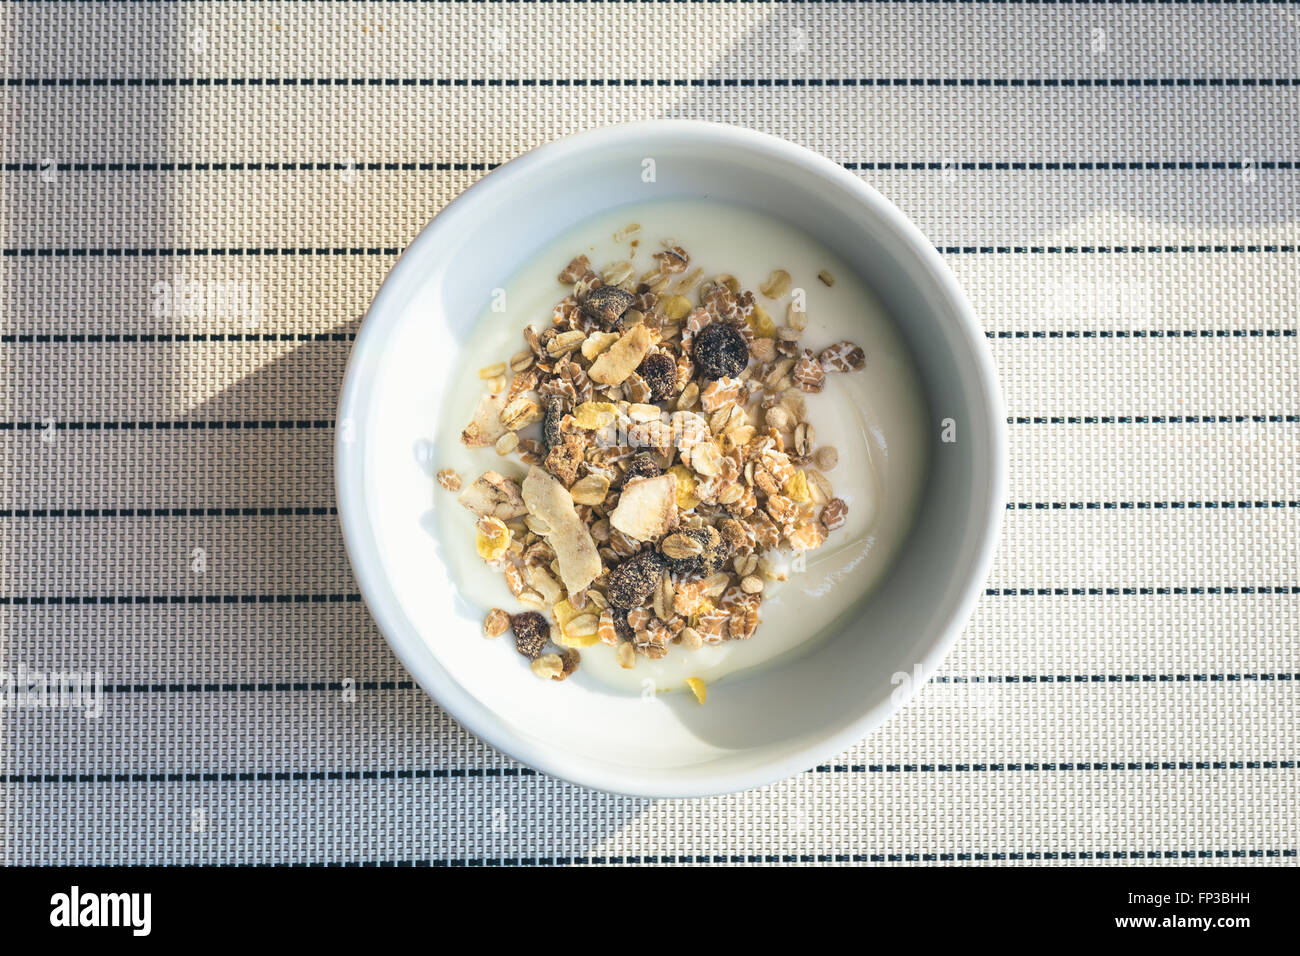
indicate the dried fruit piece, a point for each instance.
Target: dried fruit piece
{"x":643,"y":465}
{"x":597,"y":342}
{"x":496,"y":623}
{"x":634,"y":581}
{"x":494,"y":495}
{"x":615,"y":364}
{"x":569,"y":660}
{"x":843,"y":357}
{"x":607,"y":303}
{"x":448,"y":478}
{"x":532,"y":633}
{"x":594,"y":415}
{"x":685,"y":488}
{"x":675,"y":307}
{"x":647,"y":509}
{"x":550,"y":501}
{"x":493,"y":538}
{"x":659,"y":371}
{"x":720,"y":350}
{"x":697,"y":688}
{"x":826,"y":278}
{"x":777,"y":284}
{"x":485,"y":427}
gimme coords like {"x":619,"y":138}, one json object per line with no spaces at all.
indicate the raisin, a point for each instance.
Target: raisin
{"x":531,"y":634}
{"x":633,"y":581}
{"x":606,"y":304}
{"x":551,"y":424}
{"x":659,"y":370}
{"x":642,"y":465}
{"x":720,"y":350}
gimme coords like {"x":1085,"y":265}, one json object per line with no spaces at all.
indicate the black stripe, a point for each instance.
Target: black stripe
{"x":948,"y":165}
{"x":60,"y":600}
{"x":165,"y":425}
{"x":1143,"y":334}
{"x":680,"y":859}
{"x":127,"y":338}
{"x":1143,"y":591}
{"x":1191,"y":505}
{"x":891,"y":82}
{"x":258,"y":776}
{"x":280,"y":511}
{"x":767,"y":2}
{"x":1151,"y":419}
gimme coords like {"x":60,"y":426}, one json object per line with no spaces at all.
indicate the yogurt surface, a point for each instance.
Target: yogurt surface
{"x":876,"y":419}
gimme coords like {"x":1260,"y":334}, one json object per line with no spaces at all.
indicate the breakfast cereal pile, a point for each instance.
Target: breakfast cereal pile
{"x":662,"y":417}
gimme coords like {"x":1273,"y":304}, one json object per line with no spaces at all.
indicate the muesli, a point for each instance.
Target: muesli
{"x":663,"y":422}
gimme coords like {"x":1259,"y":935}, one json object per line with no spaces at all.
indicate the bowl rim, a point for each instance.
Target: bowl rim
{"x":362,"y":550}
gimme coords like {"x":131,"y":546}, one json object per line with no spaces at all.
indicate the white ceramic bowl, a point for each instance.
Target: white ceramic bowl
{"x":753,"y":730}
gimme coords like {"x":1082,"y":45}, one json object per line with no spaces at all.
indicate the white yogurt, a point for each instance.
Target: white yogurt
{"x":874,"y":418}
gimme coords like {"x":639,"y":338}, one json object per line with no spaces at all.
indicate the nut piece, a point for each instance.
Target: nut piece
{"x":826,"y":457}
{"x":752,"y":584}
{"x":647,"y":509}
{"x":550,"y":501}
{"x":549,"y":665}
{"x":494,"y":496}
{"x":621,"y":359}
{"x":531,"y":634}
{"x":835,"y":514}
{"x":449,"y":479}
{"x":496,"y":622}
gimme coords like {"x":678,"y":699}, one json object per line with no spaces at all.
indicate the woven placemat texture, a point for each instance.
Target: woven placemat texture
{"x":1116,"y":185}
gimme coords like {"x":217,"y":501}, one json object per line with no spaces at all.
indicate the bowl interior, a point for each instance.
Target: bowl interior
{"x":751,"y":731}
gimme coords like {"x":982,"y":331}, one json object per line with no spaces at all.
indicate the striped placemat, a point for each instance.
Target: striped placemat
{"x":200,"y":199}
